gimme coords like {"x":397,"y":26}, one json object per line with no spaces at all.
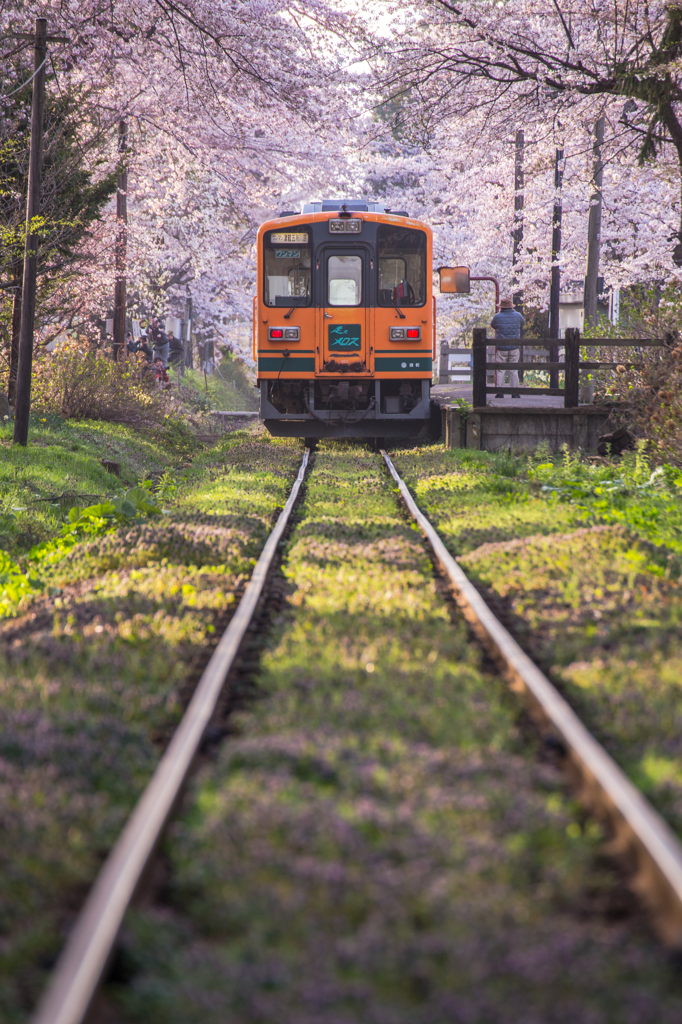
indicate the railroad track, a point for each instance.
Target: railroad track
{"x":654,"y":852}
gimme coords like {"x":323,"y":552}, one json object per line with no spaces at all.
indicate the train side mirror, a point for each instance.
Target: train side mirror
{"x":454,"y":279}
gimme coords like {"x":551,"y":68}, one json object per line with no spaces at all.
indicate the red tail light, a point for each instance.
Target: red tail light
{"x":412,"y":332}
{"x":276,"y":332}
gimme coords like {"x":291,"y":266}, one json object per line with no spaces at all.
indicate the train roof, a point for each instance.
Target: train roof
{"x":317,"y":211}
{"x":353,"y":205}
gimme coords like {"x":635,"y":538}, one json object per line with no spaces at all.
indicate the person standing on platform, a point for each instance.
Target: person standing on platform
{"x":507,"y":325}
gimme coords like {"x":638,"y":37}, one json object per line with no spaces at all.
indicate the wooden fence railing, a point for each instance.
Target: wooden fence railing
{"x":461,"y":370}
{"x":571,"y":364}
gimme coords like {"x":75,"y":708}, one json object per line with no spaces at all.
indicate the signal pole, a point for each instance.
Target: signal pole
{"x":28,"y":292}
{"x":121,"y":248}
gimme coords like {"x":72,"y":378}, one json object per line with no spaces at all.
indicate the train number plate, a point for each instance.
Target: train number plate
{"x":344,"y":337}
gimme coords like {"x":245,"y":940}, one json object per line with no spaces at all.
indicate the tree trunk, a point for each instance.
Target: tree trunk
{"x":669,"y":119}
{"x":518,"y":212}
{"x":594,"y":228}
{"x":593,"y":248}
{"x":121,"y":249}
{"x":518,"y":227}
{"x":555,"y":285}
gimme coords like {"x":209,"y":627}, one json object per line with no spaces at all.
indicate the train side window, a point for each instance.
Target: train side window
{"x":345,"y":280}
{"x":287,"y":268}
{"x":402,"y":266}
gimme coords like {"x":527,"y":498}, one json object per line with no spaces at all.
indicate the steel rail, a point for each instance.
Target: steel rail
{"x":84,"y":958}
{"x":653,"y":850}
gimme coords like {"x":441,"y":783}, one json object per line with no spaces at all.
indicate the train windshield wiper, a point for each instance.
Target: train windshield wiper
{"x":398,"y":311}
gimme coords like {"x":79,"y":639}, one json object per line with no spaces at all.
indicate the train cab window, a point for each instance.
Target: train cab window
{"x":402,"y":266}
{"x":287,"y":268}
{"x":345,"y":280}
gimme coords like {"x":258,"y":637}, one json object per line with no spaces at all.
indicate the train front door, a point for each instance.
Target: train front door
{"x":345,"y":314}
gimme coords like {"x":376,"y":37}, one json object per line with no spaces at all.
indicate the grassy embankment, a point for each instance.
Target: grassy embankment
{"x":227,"y":389}
{"x":99,"y":657}
{"x":380,"y":843}
{"x":585,"y":562}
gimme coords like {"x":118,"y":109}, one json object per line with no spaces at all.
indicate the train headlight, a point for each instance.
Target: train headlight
{"x":396,"y":333}
{"x":348,"y":227}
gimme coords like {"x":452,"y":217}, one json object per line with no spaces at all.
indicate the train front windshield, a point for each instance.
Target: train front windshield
{"x":287,"y":264}
{"x":402,"y":266}
{"x":345,"y":280}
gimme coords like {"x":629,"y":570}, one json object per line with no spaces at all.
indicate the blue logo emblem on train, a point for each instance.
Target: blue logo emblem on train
{"x":344,"y":337}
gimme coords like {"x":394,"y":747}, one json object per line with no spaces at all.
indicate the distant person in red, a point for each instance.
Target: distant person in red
{"x":507,"y":325}
{"x":161,"y":374}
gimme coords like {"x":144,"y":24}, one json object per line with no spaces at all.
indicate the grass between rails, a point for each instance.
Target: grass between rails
{"x":94,"y":674}
{"x":586,"y":562}
{"x":379,"y":844}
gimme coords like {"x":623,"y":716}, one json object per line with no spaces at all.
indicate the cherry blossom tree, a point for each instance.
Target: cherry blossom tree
{"x":457,"y":81}
{"x":237,"y":110}
{"x":232,"y":109}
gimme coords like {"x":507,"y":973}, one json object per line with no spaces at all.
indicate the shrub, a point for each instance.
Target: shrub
{"x":78,"y":383}
{"x":651,"y":398}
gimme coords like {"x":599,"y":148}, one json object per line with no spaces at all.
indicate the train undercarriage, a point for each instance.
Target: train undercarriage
{"x":346,"y":407}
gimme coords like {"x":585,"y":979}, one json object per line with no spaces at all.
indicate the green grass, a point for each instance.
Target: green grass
{"x":379,"y":841}
{"x":60,"y":468}
{"x":584,"y":560}
{"x":95,"y":671}
{"x":227,"y":389}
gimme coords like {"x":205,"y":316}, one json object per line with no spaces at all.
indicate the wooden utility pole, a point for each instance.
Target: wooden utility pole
{"x":121,"y":247}
{"x":17,"y":274}
{"x":28,"y":292}
{"x":594,"y":227}
{"x":517,"y":233}
{"x":555,"y":283}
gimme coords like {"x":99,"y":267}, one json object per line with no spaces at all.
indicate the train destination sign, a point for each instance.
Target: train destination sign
{"x":344,"y":337}
{"x":284,"y":237}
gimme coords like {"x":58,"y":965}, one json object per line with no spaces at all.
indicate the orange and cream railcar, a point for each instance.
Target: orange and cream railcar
{"x":344,"y":322}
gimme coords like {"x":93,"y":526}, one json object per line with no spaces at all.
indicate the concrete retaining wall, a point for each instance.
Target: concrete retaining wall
{"x":496,"y":429}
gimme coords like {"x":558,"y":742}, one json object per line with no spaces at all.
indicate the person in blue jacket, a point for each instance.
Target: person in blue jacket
{"x":507,"y":325}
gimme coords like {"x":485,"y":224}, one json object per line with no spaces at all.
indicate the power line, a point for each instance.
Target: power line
{"x":23,"y":85}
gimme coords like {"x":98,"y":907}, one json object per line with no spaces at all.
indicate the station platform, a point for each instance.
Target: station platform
{"x":519,"y":424}
{"x":444,"y":393}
